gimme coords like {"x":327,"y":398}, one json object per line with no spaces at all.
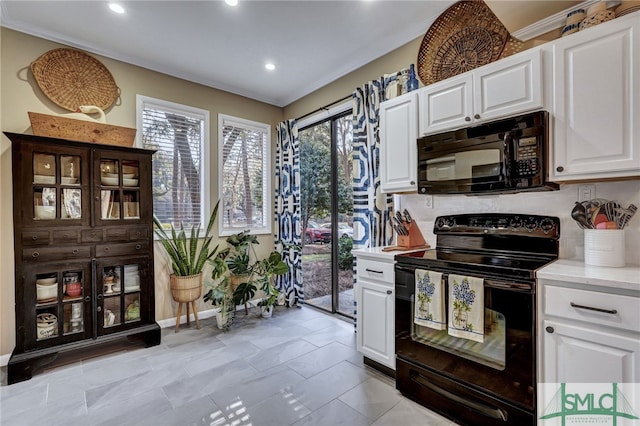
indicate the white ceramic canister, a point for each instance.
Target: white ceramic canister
{"x":604,"y":247}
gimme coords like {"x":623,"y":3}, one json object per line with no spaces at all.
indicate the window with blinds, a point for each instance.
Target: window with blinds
{"x":244,"y":169}
{"x":179,"y":134}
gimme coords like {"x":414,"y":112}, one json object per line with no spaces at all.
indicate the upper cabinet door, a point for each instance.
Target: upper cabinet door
{"x":510,"y":86}
{"x":597,"y":102}
{"x":446,"y":105}
{"x":398,"y":148}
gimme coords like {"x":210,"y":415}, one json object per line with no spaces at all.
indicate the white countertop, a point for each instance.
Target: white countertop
{"x":574,"y":271}
{"x":377,"y":253}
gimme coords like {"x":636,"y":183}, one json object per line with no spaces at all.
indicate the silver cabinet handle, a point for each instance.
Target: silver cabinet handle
{"x":413,"y":182}
{"x":467,"y":119}
{"x":389,"y":292}
{"x":550,"y":329}
{"x":477,"y":116}
{"x":374,"y":271}
{"x":591,"y":308}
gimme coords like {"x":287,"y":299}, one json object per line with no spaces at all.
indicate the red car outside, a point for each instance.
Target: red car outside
{"x":316,"y":233}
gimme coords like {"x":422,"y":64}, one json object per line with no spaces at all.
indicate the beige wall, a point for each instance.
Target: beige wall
{"x":20,"y":94}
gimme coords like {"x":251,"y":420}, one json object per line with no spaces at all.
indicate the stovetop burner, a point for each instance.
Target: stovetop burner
{"x":497,"y":245}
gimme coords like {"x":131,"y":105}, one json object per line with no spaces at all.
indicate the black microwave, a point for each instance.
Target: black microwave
{"x":508,"y":155}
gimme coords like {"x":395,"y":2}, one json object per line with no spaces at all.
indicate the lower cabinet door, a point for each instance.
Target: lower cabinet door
{"x":375,"y":326}
{"x":122,"y":293}
{"x":57,"y":303}
{"x":575,"y":354}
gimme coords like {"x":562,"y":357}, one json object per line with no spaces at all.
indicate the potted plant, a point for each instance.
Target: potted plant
{"x":220,"y":294}
{"x":188,"y":258}
{"x":245,"y":272}
{"x":267,"y":269}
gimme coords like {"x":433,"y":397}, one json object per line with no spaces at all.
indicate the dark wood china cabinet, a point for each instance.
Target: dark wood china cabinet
{"x":83,"y":242}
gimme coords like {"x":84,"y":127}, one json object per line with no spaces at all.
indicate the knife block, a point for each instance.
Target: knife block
{"x":414,"y":239}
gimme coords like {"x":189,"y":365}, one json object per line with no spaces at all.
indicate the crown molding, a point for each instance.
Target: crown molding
{"x":554,"y":22}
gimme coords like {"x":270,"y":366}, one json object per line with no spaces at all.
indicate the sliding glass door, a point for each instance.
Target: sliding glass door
{"x":327,"y":214}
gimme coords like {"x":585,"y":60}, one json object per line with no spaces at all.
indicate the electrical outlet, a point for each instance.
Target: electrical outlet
{"x":428,"y":201}
{"x":586,"y":192}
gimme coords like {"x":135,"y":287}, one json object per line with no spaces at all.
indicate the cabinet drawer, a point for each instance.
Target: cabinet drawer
{"x":91,"y":235}
{"x":33,"y":238}
{"x":593,"y":307}
{"x":65,"y":236}
{"x":117,"y":234}
{"x":56,"y":253}
{"x":138,"y":233}
{"x":375,"y":270}
{"x":122,"y":249}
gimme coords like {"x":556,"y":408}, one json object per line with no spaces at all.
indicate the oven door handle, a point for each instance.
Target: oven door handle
{"x":486,"y":410}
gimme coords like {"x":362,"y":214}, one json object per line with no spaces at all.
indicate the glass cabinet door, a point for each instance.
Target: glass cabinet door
{"x":122,"y":292}
{"x":119,"y":189}
{"x":58,"y":180}
{"x":60,"y":294}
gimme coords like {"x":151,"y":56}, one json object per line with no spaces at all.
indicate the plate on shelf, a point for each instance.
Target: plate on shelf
{"x":109,"y":181}
{"x":49,"y":180}
{"x":130,"y":182}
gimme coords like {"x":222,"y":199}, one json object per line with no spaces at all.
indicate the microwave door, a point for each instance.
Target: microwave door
{"x":467,"y":166}
{"x":478,"y":165}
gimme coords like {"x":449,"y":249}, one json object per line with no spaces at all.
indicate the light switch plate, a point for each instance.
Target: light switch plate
{"x":586,"y":192}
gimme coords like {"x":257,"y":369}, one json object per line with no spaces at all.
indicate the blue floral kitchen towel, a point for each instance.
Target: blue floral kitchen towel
{"x":429,"y":300}
{"x":466,"y":307}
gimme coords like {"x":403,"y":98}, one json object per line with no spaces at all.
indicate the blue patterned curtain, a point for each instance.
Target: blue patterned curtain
{"x":287,"y":211}
{"x":371,"y":209}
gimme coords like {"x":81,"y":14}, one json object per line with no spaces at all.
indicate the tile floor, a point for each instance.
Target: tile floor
{"x":299,"y":367}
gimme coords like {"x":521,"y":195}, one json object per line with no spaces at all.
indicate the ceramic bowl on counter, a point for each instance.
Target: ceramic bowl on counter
{"x":46,"y":324}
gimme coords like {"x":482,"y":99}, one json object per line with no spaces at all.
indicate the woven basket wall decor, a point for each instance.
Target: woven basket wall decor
{"x":465,"y":36}
{"x":70,"y":78}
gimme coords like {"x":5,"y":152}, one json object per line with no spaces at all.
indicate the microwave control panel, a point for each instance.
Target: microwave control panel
{"x":527,"y":157}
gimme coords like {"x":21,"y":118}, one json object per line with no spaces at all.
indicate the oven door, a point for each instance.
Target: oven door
{"x":502,"y":368}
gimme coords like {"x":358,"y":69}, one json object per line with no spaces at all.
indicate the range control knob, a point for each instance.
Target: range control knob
{"x":516,"y":223}
{"x":547,"y":225}
{"x":531,"y":224}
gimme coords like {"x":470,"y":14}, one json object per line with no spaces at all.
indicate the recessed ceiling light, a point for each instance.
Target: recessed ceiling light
{"x":116,"y":8}
{"x":270,"y":66}
{"x":231,"y":2}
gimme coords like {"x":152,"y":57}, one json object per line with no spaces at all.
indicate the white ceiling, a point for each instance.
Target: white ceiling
{"x":312,"y":43}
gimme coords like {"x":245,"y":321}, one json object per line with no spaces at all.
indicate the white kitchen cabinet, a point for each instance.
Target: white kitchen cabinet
{"x":596,"y":102}
{"x":375,"y":331}
{"x":398,"y":150}
{"x":588,"y":333}
{"x":580,"y":354}
{"x":503,"y":88}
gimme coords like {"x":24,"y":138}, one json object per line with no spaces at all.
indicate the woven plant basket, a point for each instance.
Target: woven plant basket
{"x":465,"y":36}
{"x":186,"y":289}
{"x":70,"y":78}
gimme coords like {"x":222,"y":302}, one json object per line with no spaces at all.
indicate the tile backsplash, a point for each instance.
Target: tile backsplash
{"x":551,"y":203}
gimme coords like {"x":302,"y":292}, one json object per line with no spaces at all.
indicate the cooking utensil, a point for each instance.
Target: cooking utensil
{"x":578,"y":214}
{"x":625,"y":215}
{"x":399,"y":216}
